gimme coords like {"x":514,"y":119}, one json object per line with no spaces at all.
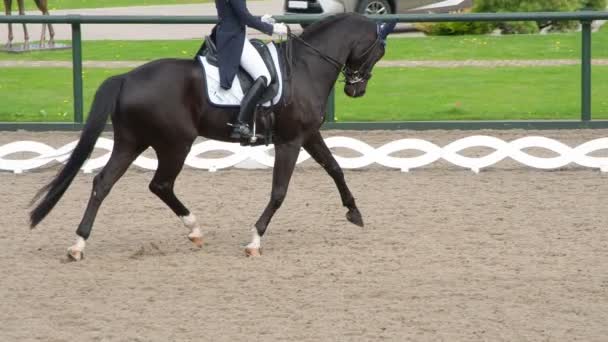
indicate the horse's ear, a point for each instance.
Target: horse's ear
{"x":385,"y":28}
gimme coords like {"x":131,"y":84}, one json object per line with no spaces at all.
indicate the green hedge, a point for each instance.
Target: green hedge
{"x":536,"y":5}
{"x":495,"y":6}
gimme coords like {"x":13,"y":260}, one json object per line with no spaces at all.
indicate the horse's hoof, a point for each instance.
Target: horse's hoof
{"x":354,"y":216}
{"x":75,"y":255}
{"x":253,"y":252}
{"x":196,"y":240}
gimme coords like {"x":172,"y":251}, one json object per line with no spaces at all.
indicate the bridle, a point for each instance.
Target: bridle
{"x":351,"y":76}
{"x":363,"y":73}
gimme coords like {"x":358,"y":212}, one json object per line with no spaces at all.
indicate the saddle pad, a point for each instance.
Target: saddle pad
{"x":233,"y":96}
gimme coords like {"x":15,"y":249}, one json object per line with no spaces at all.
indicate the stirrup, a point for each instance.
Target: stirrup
{"x":240,"y":131}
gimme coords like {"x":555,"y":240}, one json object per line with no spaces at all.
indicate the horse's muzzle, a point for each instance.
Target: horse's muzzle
{"x":355,"y":90}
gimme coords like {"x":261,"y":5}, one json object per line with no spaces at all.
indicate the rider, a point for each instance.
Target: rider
{"x":234,"y":49}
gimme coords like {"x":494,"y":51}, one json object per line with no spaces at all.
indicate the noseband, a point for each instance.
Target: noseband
{"x":363,"y":73}
{"x":351,"y":76}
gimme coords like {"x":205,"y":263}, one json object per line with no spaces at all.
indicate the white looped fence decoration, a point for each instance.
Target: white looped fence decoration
{"x":261,"y":157}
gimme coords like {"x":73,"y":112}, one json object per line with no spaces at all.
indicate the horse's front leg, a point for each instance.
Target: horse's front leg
{"x":26,"y":36}
{"x":8,"y":4}
{"x":285,"y":156}
{"x":315,"y":146}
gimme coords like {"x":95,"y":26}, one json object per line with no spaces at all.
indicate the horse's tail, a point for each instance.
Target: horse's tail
{"x":104,"y":104}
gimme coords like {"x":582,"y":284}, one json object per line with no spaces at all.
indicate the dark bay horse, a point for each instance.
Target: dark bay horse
{"x":162,"y":105}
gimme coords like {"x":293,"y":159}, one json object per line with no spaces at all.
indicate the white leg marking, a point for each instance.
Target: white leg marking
{"x":77,"y":249}
{"x":196,"y":236}
{"x":191,"y":223}
{"x":255,"y":241}
{"x":80,"y":244}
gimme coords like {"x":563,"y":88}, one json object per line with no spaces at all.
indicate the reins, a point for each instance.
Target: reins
{"x":350,"y":76}
{"x":331,"y":60}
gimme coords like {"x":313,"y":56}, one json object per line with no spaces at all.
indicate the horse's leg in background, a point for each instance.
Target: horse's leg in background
{"x":43,"y":29}
{"x":315,"y":146}
{"x":285,"y":156}
{"x":26,"y":36}
{"x":123,"y":154}
{"x":44,"y":8}
{"x":51,"y":30}
{"x":170,"y":162}
{"x":8,"y":4}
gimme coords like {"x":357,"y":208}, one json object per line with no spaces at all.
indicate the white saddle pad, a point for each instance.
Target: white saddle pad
{"x":234,"y":95}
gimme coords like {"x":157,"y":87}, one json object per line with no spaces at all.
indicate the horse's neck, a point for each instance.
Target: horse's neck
{"x":325,"y":73}
{"x":334,"y":42}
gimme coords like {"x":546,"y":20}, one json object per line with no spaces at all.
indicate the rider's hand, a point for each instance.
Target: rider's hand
{"x":279,"y":29}
{"x":268,"y":19}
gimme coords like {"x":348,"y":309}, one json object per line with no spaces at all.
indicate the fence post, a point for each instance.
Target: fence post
{"x":331,"y":107}
{"x":586,"y":71}
{"x":77,"y":72}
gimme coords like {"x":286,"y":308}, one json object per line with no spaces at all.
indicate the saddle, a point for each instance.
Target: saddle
{"x":207,"y":55}
{"x":263,"y":119}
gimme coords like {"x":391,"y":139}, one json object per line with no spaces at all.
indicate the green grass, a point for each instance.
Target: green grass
{"x":553,"y":46}
{"x":45,"y":94}
{"x":474,"y":94}
{"x":69,"y":4}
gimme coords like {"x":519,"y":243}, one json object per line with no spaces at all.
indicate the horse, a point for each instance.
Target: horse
{"x":44,"y":8}
{"x":162,"y":105}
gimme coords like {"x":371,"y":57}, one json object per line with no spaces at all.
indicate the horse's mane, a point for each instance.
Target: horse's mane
{"x":322,"y":24}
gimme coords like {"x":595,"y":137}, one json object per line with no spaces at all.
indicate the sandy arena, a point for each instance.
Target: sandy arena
{"x":510,"y":254}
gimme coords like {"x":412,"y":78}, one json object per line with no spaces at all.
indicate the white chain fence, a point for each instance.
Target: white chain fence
{"x":261,"y":156}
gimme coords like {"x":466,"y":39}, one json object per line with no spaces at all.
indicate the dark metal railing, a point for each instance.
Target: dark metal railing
{"x":584,"y":17}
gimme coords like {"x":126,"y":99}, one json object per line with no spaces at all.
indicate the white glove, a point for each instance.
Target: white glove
{"x":268,"y":19}
{"x":279,"y":29}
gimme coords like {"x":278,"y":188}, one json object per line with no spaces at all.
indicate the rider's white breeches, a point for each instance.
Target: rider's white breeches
{"x":253,"y":63}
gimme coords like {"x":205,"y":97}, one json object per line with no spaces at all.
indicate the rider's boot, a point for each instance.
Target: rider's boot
{"x":250,"y":101}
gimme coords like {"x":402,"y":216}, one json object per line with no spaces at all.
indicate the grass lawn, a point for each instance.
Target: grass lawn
{"x":416,"y":94}
{"x":474,"y":94}
{"x":69,"y":4}
{"x":50,"y":93}
{"x":555,"y":46}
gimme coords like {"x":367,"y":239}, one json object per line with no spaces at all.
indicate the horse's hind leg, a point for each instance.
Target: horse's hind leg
{"x":43,"y":7}
{"x":284,"y":163}
{"x":315,"y":146}
{"x":122,"y":156}
{"x":170,"y":163}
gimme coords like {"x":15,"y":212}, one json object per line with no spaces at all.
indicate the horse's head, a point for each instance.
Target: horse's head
{"x":362,"y":58}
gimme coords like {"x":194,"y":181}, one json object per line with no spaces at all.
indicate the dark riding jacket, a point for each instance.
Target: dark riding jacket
{"x":229,"y":36}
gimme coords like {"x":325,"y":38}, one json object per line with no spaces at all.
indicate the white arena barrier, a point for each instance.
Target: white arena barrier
{"x":259,"y":157}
